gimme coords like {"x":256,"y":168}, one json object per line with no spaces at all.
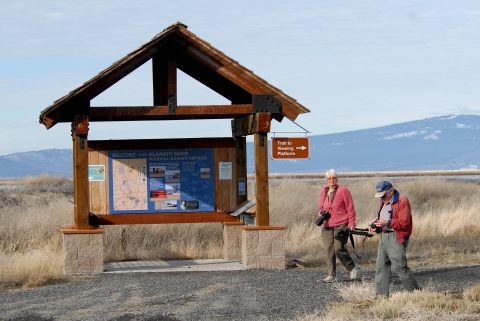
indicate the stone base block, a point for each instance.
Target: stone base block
{"x":232,"y":240}
{"x":263,"y":247}
{"x":82,"y":251}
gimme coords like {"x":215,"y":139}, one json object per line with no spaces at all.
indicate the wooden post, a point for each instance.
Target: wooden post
{"x":241,"y":170}
{"x":160,"y":79}
{"x":261,"y":178}
{"x":164,"y":75}
{"x":80,"y":171}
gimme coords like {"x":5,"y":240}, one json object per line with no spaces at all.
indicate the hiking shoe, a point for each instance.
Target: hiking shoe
{"x":329,"y":279}
{"x":354,"y":272}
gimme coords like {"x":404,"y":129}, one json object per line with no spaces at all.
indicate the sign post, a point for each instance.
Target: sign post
{"x":290,"y":148}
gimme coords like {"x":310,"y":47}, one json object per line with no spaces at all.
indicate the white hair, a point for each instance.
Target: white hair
{"x":331,"y":172}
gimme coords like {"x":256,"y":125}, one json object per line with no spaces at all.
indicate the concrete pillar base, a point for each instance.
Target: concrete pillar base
{"x":232,"y":240}
{"x":263,"y":247}
{"x":82,"y":250}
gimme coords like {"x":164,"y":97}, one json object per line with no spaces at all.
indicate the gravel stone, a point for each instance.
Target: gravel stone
{"x":256,"y":294}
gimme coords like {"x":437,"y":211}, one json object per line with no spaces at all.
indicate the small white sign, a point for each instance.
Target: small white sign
{"x":96,"y":173}
{"x":225,"y":170}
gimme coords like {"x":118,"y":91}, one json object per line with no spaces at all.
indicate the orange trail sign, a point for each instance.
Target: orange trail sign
{"x":290,"y":148}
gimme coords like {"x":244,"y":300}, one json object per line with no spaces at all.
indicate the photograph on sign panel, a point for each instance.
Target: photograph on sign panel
{"x":189,"y":205}
{"x":157,"y":171}
{"x":173,"y":191}
{"x":157,"y":195}
{"x":205,"y":172}
{"x":166,"y":205}
{"x":172,"y":176}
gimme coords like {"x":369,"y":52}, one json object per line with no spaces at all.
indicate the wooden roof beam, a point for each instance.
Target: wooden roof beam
{"x":164,"y":76}
{"x":163,"y":112}
{"x":210,"y":78}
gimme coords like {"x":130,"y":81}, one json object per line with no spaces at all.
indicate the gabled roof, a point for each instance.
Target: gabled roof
{"x":195,"y":57}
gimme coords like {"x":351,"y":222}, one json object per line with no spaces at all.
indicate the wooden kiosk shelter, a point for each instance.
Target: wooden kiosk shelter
{"x":254,"y":103}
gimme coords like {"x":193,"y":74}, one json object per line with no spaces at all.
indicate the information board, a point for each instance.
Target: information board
{"x":156,"y":181}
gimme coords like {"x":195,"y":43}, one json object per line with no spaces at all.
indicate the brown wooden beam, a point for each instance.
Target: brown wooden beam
{"x":264,"y":120}
{"x":160,"y":78}
{"x":60,"y":112}
{"x":210,"y":78}
{"x":162,"y":112}
{"x":261,"y":179}
{"x":248,"y":125}
{"x":111,"y":75}
{"x":163,"y":218}
{"x":241,"y":168}
{"x":146,"y":144}
{"x":172,"y":82}
{"x":80,"y":172}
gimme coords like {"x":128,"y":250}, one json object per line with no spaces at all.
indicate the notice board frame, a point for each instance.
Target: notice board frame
{"x":226,"y":194}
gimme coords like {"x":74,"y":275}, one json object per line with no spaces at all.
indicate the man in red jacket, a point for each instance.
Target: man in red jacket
{"x":395,"y":221}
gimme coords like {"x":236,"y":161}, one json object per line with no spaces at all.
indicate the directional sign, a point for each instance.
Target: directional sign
{"x":290,"y":148}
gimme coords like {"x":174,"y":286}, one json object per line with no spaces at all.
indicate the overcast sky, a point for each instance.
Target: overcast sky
{"x":354,"y":64}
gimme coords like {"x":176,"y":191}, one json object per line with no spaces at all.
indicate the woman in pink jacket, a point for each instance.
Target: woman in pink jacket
{"x":337,"y":201}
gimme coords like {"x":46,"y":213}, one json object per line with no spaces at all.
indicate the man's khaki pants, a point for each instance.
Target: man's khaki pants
{"x":390,"y":251}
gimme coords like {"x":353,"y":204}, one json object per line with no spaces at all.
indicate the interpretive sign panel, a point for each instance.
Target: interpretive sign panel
{"x":225,"y":170}
{"x":156,"y":181}
{"x":96,"y":173}
{"x":290,"y":148}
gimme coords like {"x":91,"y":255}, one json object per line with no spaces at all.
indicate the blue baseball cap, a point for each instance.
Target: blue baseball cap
{"x":382,"y":187}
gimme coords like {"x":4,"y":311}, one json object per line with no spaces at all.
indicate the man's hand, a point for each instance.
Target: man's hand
{"x":381,"y":223}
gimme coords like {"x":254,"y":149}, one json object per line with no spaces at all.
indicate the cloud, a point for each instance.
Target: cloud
{"x":354,"y":64}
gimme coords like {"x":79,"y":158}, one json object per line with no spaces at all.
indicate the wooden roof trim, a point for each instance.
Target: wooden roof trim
{"x":232,"y":67}
{"x":145,"y":47}
{"x":200,"y":49}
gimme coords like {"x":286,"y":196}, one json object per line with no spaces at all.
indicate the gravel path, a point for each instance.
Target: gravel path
{"x":220,"y":295}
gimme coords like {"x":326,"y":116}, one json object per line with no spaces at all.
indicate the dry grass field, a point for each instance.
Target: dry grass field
{"x":446,"y":229}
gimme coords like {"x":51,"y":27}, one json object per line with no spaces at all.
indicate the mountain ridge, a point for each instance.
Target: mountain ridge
{"x":437,"y":143}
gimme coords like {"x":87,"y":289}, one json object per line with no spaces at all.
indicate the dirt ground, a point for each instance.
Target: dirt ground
{"x":220,"y":295}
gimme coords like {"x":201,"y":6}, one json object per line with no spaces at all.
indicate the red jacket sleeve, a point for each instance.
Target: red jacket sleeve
{"x":402,"y":216}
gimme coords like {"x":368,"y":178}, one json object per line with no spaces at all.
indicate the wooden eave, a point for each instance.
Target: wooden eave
{"x":196,"y":58}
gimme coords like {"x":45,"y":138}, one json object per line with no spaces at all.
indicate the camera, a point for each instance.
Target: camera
{"x":324,"y":215}
{"x":342,"y":231}
{"x":376,"y":228}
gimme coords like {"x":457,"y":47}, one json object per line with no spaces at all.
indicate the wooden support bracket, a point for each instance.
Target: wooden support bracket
{"x":248,"y":125}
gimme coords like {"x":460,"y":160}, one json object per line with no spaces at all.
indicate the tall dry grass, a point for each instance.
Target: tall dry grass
{"x":172,"y":241}
{"x":358,"y":305}
{"x":30,"y":217}
{"x":445,"y":215}
{"x":444,"y":210}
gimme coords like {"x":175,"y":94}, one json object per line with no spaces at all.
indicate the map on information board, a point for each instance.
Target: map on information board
{"x":129,"y":184}
{"x":160,"y":181}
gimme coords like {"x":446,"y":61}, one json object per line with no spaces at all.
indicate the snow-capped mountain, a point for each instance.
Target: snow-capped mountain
{"x":447,"y":142}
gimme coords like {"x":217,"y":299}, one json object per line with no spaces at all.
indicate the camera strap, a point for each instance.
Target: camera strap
{"x":332,"y":198}
{"x":358,"y":232}
{"x":353,"y":245}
